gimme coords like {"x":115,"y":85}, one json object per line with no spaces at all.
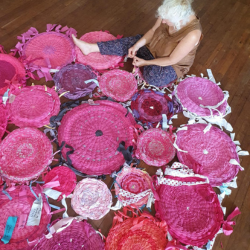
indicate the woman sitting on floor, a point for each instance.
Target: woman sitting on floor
{"x":166,"y":51}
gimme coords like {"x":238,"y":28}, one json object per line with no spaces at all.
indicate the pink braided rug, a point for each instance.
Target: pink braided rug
{"x":20,"y":206}
{"x":208,"y":153}
{"x":148,"y":106}
{"x":96,"y":60}
{"x":141,"y":232}
{"x":24,"y":154}
{"x":134,"y":182}
{"x":195,"y":91}
{"x":71,"y":79}
{"x":118,"y":84}
{"x":33,"y":106}
{"x":189,"y":205}
{"x":155,"y":147}
{"x":79,"y":235}
{"x":47,"y":50}
{"x":95,"y":132}
{"x":10,"y":69}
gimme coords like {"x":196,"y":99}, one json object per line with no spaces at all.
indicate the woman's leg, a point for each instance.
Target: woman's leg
{"x":117,"y":47}
{"x":86,"y":48}
{"x":159,"y":76}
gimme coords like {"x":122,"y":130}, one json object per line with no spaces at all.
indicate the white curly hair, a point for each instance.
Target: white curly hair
{"x":176,"y":11}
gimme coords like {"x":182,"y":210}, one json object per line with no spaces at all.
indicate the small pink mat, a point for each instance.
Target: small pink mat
{"x":189,"y":206}
{"x":24,"y":154}
{"x":155,"y":147}
{"x":208,"y":153}
{"x":195,"y":91}
{"x":118,"y":84}
{"x":42,"y":52}
{"x":91,"y":199}
{"x":33,"y":106}
{"x":78,"y":235}
{"x":10,"y":69}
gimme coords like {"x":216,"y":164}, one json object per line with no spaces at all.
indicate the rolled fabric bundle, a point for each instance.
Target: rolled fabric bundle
{"x":91,"y":199}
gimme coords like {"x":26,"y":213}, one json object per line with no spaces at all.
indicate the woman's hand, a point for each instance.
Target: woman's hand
{"x":132,"y":51}
{"x":139,"y":62}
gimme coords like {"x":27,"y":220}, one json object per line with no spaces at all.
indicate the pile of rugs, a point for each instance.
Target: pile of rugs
{"x":113,"y":120}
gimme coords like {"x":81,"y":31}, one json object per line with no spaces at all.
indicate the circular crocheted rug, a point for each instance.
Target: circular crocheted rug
{"x":20,"y":207}
{"x":148,"y":106}
{"x":140,"y":232}
{"x":95,"y":132}
{"x":72,"y":77}
{"x":208,"y":153}
{"x":91,"y":199}
{"x":3,"y":120}
{"x":10,"y":69}
{"x":96,"y":59}
{"x":53,"y":49}
{"x":189,"y":205}
{"x":133,"y":186}
{"x":193,"y":92}
{"x":118,"y":84}
{"x":155,"y":147}
{"x":33,"y":106}
{"x":66,"y":178}
{"x":78,"y":235}
{"x":48,"y":50}
{"x":24,"y":154}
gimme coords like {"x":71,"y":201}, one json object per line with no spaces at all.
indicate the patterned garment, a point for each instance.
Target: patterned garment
{"x":152,"y":74}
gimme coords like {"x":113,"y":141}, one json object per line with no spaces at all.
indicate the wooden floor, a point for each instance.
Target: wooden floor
{"x":225,"y":49}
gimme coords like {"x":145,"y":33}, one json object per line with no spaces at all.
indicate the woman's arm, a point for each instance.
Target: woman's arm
{"x":181,"y":50}
{"x":144,"y":40}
